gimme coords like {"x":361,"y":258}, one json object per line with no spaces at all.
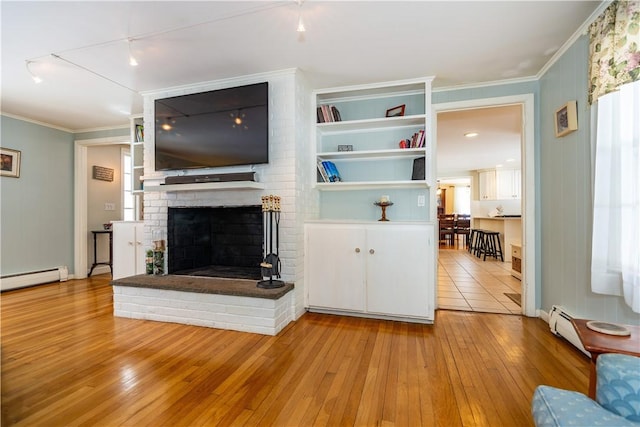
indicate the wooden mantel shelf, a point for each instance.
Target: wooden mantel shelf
{"x":202,"y":186}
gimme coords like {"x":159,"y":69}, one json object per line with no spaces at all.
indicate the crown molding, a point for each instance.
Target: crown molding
{"x":36,"y":122}
{"x":486,"y":84}
{"x":582,"y":30}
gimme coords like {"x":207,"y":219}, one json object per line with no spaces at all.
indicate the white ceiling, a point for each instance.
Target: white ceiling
{"x":498,"y":143}
{"x":90,"y":84}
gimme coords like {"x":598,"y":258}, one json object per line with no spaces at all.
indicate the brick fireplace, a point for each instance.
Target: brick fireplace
{"x":215,"y":241}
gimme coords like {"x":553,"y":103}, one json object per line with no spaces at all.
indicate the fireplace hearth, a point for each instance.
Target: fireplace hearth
{"x":215,"y":241}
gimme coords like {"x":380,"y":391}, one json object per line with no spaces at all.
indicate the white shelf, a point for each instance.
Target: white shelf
{"x":370,"y":185}
{"x":373,"y":154}
{"x":370,"y":124}
{"x":202,"y":186}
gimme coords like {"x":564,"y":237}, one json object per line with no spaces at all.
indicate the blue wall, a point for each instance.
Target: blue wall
{"x":566,"y":196}
{"x":36,"y":210}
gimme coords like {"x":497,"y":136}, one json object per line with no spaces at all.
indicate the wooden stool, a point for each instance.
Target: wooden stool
{"x":472,"y":236}
{"x":491,"y":245}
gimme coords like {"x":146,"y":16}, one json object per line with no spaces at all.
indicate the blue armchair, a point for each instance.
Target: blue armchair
{"x":617,"y":398}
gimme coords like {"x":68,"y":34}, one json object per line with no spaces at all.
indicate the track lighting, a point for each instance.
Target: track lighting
{"x":35,"y":77}
{"x":132,"y":59}
{"x":300,"y":28}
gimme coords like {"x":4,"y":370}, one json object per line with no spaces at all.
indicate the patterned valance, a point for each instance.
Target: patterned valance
{"x":614,"y":43}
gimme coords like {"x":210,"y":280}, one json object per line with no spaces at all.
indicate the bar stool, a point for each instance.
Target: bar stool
{"x":492,"y":245}
{"x":472,"y":236}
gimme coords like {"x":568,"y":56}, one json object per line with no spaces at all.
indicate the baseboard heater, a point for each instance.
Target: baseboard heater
{"x":21,"y":280}
{"x":560,"y":324}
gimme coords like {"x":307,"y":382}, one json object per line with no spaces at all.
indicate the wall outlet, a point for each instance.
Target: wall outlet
{"x":109,"y":206}
{"x":421,"y":200}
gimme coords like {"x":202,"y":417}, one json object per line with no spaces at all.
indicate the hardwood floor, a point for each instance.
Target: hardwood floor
{"x":67,"y":361}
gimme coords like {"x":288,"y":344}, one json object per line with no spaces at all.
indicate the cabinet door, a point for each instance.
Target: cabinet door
{"x":400,"y":277}
{"x":335,"y":266}
{"x":128,"y":256}
{"x":140,"y":256}
{"x":508,"y":184}
{"x":487,"y":185}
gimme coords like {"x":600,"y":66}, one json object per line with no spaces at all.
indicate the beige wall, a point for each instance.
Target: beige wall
{"x":100,"y":192}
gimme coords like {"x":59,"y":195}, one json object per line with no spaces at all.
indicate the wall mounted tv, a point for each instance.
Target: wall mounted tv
{"x":226,"y":127}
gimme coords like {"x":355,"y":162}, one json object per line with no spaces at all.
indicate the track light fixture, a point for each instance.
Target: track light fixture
{"x":35,"y":77}
{"x":300,"y":28}
{"x":132,"y":60}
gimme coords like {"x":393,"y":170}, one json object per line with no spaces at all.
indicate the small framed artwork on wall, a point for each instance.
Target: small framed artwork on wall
{"x":566,"y":119}
{"x":9,"y":162}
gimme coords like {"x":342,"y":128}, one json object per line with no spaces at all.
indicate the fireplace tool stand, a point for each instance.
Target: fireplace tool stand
{"x":270,"y":266}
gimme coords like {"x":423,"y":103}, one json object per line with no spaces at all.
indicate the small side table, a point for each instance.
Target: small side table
{"x":598,"y":343}
{"x":95,"y":250}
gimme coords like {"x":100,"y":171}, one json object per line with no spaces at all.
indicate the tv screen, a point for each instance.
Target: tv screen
{"x":226,"y":127}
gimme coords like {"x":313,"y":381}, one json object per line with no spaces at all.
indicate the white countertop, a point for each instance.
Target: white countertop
{"x":498,"y":218}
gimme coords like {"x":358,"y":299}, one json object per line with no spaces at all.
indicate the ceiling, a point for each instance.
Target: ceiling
{"x":81,"y":49}
{"x":498,"y":143}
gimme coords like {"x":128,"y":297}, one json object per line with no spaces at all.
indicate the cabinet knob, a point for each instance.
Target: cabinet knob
{"x":130,"y":243}
{"x":371,"y":251}
{"x":357,"y":250}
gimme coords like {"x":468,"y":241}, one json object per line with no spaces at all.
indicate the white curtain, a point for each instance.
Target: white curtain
{"x":615,"y":268}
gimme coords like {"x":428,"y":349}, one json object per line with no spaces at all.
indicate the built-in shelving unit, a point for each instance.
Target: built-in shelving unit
{"x":137,"y":153}
{"x":362,"y":132}
{"x":365,"y":145}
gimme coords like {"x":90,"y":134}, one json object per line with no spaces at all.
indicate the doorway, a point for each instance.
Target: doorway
{"x":482,"y":271}
{"x":80,"y":199}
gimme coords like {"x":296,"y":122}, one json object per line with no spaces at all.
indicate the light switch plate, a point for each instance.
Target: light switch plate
{"x":109,"y":206}
{"x":421,"y":200}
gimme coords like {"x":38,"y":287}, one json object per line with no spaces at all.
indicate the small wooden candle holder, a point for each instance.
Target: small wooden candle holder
{"x":383,"y":206}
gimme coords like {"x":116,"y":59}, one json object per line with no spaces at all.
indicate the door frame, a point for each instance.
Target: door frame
{"x":81,"y":176}
{"x":529,"y":245}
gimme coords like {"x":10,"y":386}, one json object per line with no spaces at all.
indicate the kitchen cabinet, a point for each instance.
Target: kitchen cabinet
{"x":499,"y":184}
{"x":508,"y":182}
{"x":487,"y":181}
{"x":128,"y":249}
{"x":382,"y":270}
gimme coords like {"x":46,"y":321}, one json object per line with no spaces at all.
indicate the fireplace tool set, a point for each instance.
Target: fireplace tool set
{"x":270,"y":266}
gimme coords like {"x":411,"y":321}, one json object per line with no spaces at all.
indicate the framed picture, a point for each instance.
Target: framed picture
{"x":396,"y":111}
{"x":566,"y":119}
{"x":9,"y":163}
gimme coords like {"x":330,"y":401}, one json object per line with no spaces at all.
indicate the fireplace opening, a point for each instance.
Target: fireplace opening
{"x":215,"y":241}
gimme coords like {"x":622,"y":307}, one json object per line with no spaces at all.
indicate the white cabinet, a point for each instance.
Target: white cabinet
{"x":499,"y":184}
{"x":487,"y":181}
{"x":508,"y":184}
{"x":335,"y":266}
{"x":128,"y":249}
{"x":375,"y":269}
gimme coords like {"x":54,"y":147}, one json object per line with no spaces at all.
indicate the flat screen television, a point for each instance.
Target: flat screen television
{"x":225,"y":127}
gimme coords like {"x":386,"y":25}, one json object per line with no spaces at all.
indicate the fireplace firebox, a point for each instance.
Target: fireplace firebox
{"x":215,"y":241}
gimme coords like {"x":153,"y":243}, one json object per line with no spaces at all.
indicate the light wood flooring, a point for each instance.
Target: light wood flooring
{"x":67,"y":361}
{"x":468,"y":283}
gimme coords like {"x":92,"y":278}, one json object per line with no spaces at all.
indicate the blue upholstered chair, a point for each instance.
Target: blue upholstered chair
{"x":617,"y":398}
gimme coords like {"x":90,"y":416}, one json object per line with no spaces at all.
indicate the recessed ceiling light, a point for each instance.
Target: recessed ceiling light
{"x":499,"y":166}
{"x":471,"y":134}
{"x":511,"y":160}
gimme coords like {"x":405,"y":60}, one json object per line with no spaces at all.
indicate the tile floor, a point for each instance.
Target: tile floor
{"x":469,"y":284}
